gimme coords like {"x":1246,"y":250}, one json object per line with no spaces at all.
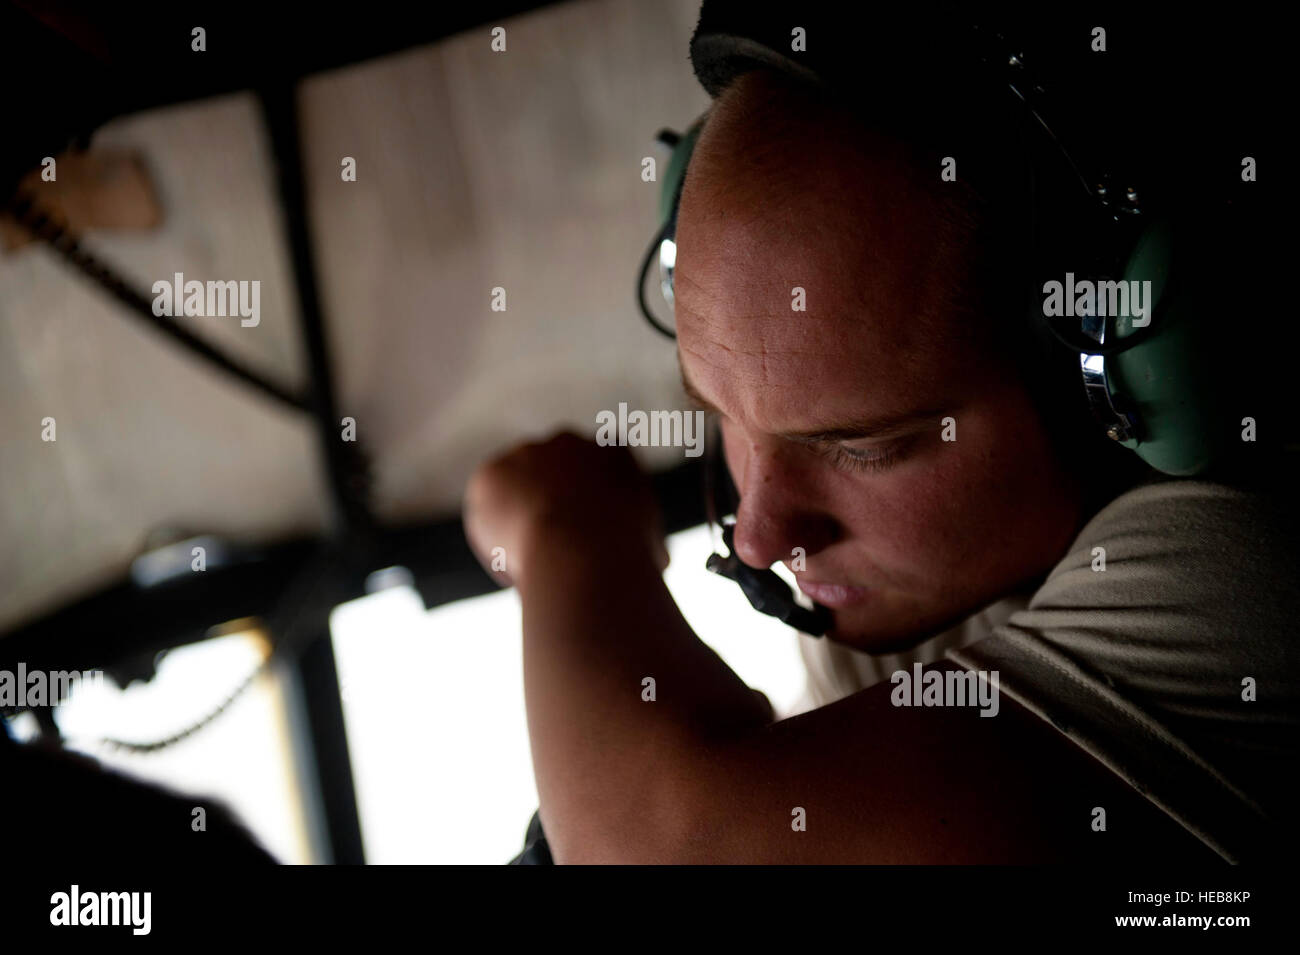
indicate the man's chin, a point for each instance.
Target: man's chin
{"x":879,"y":637}
{"x":872,"y":643}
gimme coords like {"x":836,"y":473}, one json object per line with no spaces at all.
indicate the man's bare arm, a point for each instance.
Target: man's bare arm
{"x":701,"y":775}
{"x":598,"y":623}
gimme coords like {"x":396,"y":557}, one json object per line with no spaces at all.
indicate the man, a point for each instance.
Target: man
{"x":896,"y":439}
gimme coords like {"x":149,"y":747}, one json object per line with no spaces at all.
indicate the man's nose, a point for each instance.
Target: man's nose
{"x":778,"y":510}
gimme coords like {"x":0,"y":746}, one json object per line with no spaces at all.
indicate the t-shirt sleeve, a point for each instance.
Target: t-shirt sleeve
{"x":1163,"y":645}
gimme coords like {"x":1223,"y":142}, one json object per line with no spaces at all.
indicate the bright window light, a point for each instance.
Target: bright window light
{"x":434,"y":707}
{"x":242,"y":758}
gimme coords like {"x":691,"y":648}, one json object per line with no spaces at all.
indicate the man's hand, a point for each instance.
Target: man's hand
{"x":565,"y":490}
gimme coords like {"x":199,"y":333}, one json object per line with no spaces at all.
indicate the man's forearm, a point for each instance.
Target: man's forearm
{"x":611,"y":751}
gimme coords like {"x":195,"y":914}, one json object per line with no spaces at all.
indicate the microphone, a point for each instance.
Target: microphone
{"x":767,"y":592}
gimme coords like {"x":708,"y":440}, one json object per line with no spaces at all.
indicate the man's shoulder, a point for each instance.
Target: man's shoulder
{"x":1170,"y":543}
{"x":1146,"y":644}
{"x":1173,"y":594}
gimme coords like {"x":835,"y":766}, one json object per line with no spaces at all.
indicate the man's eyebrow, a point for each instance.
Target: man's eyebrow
{"x":879,"y":426}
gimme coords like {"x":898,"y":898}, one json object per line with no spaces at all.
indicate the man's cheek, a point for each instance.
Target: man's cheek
{"x":933,"y":515}
{"x":902,"y":527}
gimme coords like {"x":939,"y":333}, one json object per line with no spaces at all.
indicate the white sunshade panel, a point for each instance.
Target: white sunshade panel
{"x":149,"y":438}
{"x":475,"y":170}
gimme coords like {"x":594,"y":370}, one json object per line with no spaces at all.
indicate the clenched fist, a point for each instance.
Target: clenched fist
{"x":559,"y":492}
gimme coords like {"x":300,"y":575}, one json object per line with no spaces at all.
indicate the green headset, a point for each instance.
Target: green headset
{"x":1146,"y":386}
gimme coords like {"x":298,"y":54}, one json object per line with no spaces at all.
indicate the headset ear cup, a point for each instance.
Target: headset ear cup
{"x":670,"y":190}
{"x":664,"y":245}
{"x":670,"y":197}
{"x":1166,"y":380}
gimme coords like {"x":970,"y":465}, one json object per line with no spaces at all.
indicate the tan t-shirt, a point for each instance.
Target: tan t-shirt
{"x":1177,"y":665}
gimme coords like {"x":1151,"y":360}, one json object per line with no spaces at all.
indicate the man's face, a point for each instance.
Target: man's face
{"x":834,"y":418}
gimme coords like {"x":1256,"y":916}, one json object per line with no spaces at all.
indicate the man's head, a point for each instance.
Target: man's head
{"x":883,"y":429}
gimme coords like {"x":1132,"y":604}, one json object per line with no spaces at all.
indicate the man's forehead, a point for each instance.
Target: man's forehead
{"x":757,"y":390}
{"x":787,"y":358}
{"x":803,"y":319}
{"x":808,"y":297}
{"x":805,"y":276}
